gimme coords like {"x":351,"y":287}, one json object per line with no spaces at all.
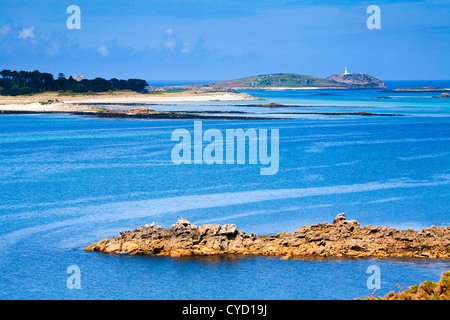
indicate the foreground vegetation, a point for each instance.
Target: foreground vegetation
{"x":427,"y":290}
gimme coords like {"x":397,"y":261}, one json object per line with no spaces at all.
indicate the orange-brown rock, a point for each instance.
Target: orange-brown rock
{"x":339,"y":239}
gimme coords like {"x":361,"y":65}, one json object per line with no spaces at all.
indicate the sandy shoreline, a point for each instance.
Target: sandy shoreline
{"x":54,"y":102}
{"x":124,"y":97}
{"x":166,"y":98}
{"x":118,"y":105}
{"x":105,"y":105}
{"x":37,"y":107}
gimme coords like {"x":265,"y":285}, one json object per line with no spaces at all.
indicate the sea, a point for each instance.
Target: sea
{"x":67,"y":181}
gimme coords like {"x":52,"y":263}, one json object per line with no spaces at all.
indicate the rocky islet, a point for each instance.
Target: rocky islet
{"x":341,"y":238}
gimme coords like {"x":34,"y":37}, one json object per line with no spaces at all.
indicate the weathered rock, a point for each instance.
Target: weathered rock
{"x":342,"y":238}
{"x":228,"y":230}
{"x":211,"y":229}
{"x":340,"y":217}
{"x":443,"y":95}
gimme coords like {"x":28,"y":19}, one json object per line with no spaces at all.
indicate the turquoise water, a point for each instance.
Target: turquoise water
{"x":303,"y":102}
{"x":68,"y":181}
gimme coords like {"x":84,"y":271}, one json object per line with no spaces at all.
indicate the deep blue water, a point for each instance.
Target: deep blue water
{"x":394,"y":84}
{"x":68,"y":181}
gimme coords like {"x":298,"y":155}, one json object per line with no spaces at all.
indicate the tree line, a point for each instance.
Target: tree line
{"x":25,"y":82}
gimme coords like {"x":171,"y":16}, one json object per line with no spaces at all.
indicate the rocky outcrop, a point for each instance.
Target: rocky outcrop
{"x":342,"y":238}
{"x":443,"y":95}
{"x":358,"y":80}
{"x":138,"y":111}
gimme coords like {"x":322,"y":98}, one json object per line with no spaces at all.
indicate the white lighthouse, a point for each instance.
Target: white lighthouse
{"x":345,"y":72}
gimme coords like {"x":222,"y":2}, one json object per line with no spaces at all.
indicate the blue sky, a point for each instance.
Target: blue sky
{"x":226,"y":39}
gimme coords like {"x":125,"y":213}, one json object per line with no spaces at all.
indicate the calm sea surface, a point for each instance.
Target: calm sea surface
{"x":67,"y":181}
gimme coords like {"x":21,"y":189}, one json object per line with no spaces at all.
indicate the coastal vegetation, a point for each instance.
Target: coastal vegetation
{"x":14,"y":83}
{"x":287,"y":80}
{"x":427,"y":290}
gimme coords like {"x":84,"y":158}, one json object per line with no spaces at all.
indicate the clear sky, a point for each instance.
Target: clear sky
{"x":226,"y":39}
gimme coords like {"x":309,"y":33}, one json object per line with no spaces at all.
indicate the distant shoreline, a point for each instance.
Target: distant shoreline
{"x":87,"y":104}
{"x":99,"y":105}
{"x":127,"y":97}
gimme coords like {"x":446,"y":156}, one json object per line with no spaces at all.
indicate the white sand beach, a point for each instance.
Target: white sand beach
{"x":166,"y":98}
{"x":38,"y":107}
{"x":54,"y":102}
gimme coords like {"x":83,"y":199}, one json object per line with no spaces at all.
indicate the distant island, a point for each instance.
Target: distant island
{"x":287,"y":81}
{"x":15,"y":83}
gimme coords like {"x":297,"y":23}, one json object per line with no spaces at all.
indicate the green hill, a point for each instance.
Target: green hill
{"x":289,"y":81}
{"x":284,"y":80}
